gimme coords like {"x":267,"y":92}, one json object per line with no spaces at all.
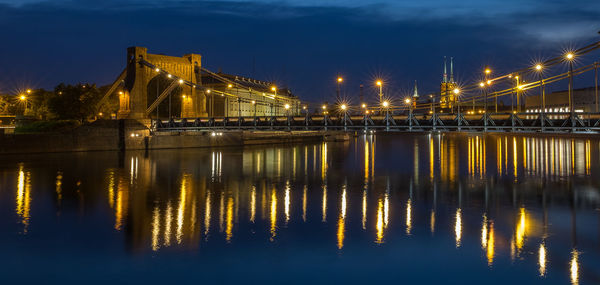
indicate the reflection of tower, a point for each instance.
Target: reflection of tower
{"x":447,"y":98}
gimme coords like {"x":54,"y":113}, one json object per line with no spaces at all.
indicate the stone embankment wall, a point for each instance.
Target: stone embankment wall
{"x":132,"y":135}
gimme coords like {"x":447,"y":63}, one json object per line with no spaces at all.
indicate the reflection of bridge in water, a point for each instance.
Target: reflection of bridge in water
{"x":501,"y":193}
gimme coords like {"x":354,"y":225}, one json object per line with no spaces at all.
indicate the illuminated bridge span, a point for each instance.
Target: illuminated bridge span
{"x":216,"y":101}
{"x":496,"y":122}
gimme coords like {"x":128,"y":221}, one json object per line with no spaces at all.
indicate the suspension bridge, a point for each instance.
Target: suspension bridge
{"x":458,"y":107}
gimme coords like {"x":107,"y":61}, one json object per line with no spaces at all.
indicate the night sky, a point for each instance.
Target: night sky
{"x":299,"y":44}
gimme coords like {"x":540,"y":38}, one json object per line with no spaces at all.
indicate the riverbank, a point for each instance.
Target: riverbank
{"x":120,"y":135}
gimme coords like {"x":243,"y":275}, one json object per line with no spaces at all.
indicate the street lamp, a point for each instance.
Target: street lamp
{"x":385,"y":104}
{"x":254,"y":104}
{"x":538,"y":68}
{"x":343,"y":107}
{"x":274,"y":89}
{"x":380,"y":84}
{"x":339,"y":82}
{"x":569,"y":57}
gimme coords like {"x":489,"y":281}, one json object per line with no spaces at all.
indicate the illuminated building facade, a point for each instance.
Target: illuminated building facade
{"x":584,"y":100}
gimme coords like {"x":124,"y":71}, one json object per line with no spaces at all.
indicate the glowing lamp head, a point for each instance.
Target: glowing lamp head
{"x":287,"y":106}
{"x":364,"y":105}
{"x":456,"y":90}
{"x":481,"y":84}
{"x":303,"y":107}
{"x":407,"y":101}
{"x":253,"y":102}
{"x":324,"y":107}
{"x":538,"y":67}
{"x":120,"y":92}
{"x":100,"y":114}
{"x":570,"y":56}
{"x":180,"y":81}
{"x":28,"y":91}
{"x":22,"y":97}
{"x":343,"y":107}
{"x":385,"y":104}
{"x":183,"y":96}
{"x":157,"y":70}
{"x":489,"y":82}
{"x":340,"y":79}
{"x":379,"y":83}
{"x":273,"y":88}
{"x":169,"y":75}
{"x":229,"y":85}
{"x":520,"y":87}
{"x":488,"y":71}
{"x":207,"y":90}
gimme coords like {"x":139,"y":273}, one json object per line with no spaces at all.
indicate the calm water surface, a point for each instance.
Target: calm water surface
{"x":412,"y":209}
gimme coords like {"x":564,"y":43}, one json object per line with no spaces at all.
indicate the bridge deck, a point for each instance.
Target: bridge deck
{"x":503,"y":122}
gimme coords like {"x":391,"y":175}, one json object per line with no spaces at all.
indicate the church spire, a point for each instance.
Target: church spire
{"x":416,"y":93}
{"x":451,"y":70}
{"x":445,"y":71}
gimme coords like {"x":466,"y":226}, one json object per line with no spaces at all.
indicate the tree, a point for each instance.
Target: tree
{"x":74,"y":101}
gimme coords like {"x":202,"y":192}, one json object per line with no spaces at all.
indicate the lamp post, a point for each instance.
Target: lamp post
{"x":339,"y":82}
{"x":254,"y":104}
{"x":380,"y":84}
{"x":274,"y":89}
{"x":539,"y":68}
{"x":23,"y":99}
{"x":408,"y":102}
{"x":569,"y":57}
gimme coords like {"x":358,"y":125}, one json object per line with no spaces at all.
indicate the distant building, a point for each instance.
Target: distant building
{"x":447,"y":95}
{"x":255,"y":97}
{"x":584,"y":100}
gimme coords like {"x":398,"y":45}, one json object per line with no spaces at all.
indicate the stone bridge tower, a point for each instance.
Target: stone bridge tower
{"x":141,"y":69}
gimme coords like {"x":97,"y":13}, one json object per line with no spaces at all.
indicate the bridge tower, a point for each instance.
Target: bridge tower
{"x":137,"y":102}
{"x":448,"y":98}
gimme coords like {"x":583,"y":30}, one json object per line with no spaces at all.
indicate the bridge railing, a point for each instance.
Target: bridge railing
{"x":492,"y":122}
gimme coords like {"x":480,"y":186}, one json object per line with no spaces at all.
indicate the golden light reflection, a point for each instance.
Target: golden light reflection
{"x":168,"y":219}
{"x":121,"y":203}
{"x":386,"y":210}
{"x":323,"y":161}
{"x":286,"y":202}
{"x":432,"y":222}
{"x":364,"y":209}
{"x":58,"y":184}
{"x":408,"y":217}
{"x":458,"y":227}
{"x":491,"y":245}
{"x":484,"y":232}
{"x":23,"y":199}
{"x":522,"y":227}
{"x":207,"y":214}
{"x":229,"y":220}
{"x":181,"y":208}
{"x":379,"y":223}
{"x":342,"y":219}
{"x":574,"y":267}
{"x":304,"y":202}
{"x":111,"y":188}
{"x":253,"y":204}
{"x":155,"y":228}
{"x":542,"y":259}
{"x":324,"y":206}
{"x":273,"y":214}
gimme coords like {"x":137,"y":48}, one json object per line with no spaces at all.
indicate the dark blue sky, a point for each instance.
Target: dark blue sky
{"x":300,"y":44}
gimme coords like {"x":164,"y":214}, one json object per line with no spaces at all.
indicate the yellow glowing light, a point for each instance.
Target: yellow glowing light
{"x":340,"y":79}
{"x":303,"y":107}
{"x":538,"y":67}
{"x":481,"y":84}
{"x":570,"y":56}
{"x":379,"y":83}
{"x":385,"y":104}
{"x":157,"y":70}
{"x":456,"y":90}
{"x":407,"y":101}
{"x":183,"y":96}
{"x":180,"y":81}
{"x":28,"y":91}
{"x":273,"y":88}
{"x":324,"y":107}
{"x":364,"y":105}
{"x":489,"y":82}
{"x":343,"y":106}
{"x":542,"y":259}
{"x":488,"y":71}
{"x":22,"y":98}
{"x":253,"y":102}
{"x":100,"y":114}
{"x":287,"y":106}
{"x":229,"y":85}
{"x":520,"y":87}
{"x":169,"y":75}
{"x":120,"y":92}
{"x":207,"y":90}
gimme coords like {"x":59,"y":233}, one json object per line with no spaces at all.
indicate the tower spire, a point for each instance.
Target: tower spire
{"x":416,"y":93}
{"x":445,"y":71}
{"x":451,"y":70}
